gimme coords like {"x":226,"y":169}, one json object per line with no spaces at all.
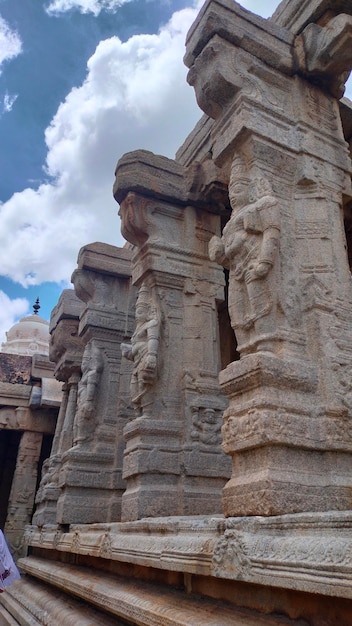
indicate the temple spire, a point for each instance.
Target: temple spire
{"x":36,"y":307}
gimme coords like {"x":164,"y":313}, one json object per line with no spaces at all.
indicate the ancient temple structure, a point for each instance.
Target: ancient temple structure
{"x":201,"y":466}
{"x":30,"y":400}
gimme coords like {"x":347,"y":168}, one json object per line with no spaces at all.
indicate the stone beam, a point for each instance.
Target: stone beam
{"x":295,"y":15}
{"x":241,"y":28}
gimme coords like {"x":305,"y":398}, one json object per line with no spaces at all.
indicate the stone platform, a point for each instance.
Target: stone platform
{"x":290,"y":569}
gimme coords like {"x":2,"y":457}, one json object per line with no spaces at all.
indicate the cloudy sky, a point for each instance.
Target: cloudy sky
{"x":81,"y":83}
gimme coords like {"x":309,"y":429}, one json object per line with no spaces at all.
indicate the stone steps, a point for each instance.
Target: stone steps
{"x":49,"y":594}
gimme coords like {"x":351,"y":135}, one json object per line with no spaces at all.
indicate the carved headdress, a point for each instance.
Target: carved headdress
{"x":144,"y":296}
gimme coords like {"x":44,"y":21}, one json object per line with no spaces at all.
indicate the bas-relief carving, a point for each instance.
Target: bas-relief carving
{"x":9,"y":419}
{"x":315,"y":546}
{"x":255,"y":247}
{"x":249,"y":249}
{"x":206,"y":426}
{"x":86,"y":418}
{"x":291,"y":306}
{"x":144,"y":350}
{"x":21,"y":500}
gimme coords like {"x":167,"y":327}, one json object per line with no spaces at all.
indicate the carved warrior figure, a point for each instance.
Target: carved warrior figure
{"x":249,"y":249}
{"x":143,"y":350}
{"x":86,"y":418}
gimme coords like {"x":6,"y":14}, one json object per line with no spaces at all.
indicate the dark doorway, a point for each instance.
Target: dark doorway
{"x":228,"y":343}
{"x":9,"y":443}
{"x":47,"y":443}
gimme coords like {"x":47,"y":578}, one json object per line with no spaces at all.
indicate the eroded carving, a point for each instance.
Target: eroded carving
{"x":206,"y":426}
{"x":143,"y":350}
{"x":249,"y":249}
{"x":85,"y":418}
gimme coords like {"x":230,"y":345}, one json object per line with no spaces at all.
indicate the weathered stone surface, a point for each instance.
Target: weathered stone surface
{"x":143,"y":603}
{"x":295,"y":15}
{"x":22,"y":418}
{"x":256,"y":549}
{"x":15,"y":394}
{"x":90,"y":478}
{"x":284,"y":247}
{"x":38,"y":601}
{"x":21,"y":500}
{"x":65,"y":352}
{"x":15,"y":369}
{"x":238,"y":255}
{"x":173,"y":462}
{"x":266,"y":40}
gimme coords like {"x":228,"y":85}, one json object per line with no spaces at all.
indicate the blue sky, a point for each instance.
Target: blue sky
{"x":81,"y":83}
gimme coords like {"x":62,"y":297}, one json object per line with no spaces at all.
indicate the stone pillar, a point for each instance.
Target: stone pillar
{"x":21,"y":500}
{"x":91,"y":475}
{"x":272,"y":93}
{"x":66,"y":351}
{"x":173,"y":462}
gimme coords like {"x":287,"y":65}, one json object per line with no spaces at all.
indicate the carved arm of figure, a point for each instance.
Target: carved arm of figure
{"x":269,"y":214}
{"x":217,"y":250}
{"x":150,"y":364}
{"x":126,"y":351}
{"x":92,"y":382}
{"x":224,"y":249}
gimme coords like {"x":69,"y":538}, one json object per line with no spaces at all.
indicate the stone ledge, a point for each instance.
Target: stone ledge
{"x":175,"y":544}
{"x":308,"y":552}
{"x":139,"y":602}
{"x":31,"y":603}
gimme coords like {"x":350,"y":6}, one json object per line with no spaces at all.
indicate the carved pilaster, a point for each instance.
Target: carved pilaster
{"x":66,"y":351}
{"x":91,"y":476}
{"x":277,"y":129}
{"x":21,"y":500}
{"x":173,"y":463}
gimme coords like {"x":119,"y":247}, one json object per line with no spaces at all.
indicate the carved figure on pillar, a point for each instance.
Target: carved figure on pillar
{"x":249,"y":249}
{"x":85,"y":418}
{"x":143,"y":350}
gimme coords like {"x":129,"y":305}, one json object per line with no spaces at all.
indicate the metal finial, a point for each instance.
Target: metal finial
{"x":36,"y":307}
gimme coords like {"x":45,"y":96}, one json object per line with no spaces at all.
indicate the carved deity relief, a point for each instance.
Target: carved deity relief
{"x":249,"y":249}
{"x":206,"y":426}
{"x":144,"y":350}
{"x":86,"y":415}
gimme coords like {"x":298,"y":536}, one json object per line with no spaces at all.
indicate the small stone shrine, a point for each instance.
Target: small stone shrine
{"x":201,"y":466}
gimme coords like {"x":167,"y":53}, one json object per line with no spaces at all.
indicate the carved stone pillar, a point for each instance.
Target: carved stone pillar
{"x":277,"y":131}
{"x":66,"y":351}
{"x":91,"y":475}
{"x":21,"y":500}
{"x":173,"y":463}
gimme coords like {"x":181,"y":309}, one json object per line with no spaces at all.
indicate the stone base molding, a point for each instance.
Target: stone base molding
{"x":139,"y":603}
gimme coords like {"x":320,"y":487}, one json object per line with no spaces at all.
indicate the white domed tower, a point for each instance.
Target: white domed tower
{"x":28,"y":336}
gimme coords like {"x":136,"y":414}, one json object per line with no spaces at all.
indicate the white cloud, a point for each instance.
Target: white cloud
{"x":135,"y":96}
{"x":10,"y":42}
{"x":10,"y":312}
{"x":84,"y":6}
{"x":8,"y":102}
